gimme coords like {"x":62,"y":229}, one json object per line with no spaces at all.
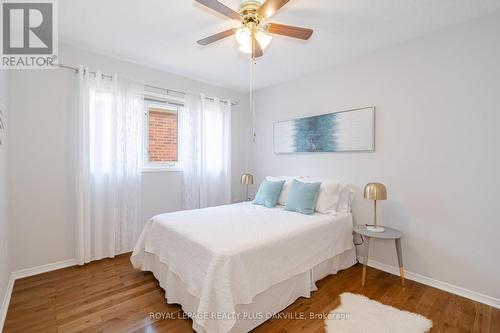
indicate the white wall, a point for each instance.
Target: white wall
{"x":437,"y":147}
{"x":42,"y":156}
{"x":4,"y":225}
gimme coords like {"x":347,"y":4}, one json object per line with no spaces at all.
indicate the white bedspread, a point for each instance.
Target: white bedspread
{"x":227,"y":255}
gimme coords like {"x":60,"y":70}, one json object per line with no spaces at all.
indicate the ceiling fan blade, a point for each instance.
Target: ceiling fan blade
{"x":216,"y":37}
{"x":289,"y":30}
{"x":219,"y":7}
{"x":256,"y":49}
{"x":270,"y":7}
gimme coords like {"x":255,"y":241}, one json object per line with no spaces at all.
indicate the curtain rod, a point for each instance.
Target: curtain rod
{"x":75,"y":68}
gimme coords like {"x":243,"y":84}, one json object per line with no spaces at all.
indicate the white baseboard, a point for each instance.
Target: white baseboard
{"x":6,"y":301}
{"x":43,"y":268}
{"x":473,"y":295}
{"x":26,"y":273}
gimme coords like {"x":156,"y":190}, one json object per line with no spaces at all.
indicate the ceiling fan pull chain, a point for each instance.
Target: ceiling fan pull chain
{"x":252,"y":93}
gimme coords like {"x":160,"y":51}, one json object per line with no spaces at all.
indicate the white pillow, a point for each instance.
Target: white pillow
{"x":286,"y":187}
{"x":329,"y":195}
{"x":333,"y":196}
{"x":346,"y":198}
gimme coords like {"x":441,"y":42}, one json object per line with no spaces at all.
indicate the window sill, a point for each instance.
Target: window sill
{"x":162,"y":169}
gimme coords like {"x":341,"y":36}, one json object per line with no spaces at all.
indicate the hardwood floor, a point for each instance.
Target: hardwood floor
{"x":109,"y":296}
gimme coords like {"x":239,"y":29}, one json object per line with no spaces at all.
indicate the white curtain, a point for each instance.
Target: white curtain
{"x":110,"y":117}
{"x":206,"y":151}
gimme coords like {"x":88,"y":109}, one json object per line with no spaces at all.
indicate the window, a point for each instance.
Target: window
{"x":162,"y":136}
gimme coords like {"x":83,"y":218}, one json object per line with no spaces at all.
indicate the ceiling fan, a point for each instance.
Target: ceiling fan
{"x":254,"y":35}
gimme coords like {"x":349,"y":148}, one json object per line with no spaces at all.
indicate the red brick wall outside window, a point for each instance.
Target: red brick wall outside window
{"x":163,"y":136}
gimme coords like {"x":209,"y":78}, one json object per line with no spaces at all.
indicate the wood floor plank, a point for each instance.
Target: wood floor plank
{"x":110,"y":296}
{"x":495,"y":321}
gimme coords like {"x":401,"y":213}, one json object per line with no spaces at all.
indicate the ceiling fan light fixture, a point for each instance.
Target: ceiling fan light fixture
{"x":253,"y":15}
{"x":243,"y":36}
{"x":263,"y":38}
{"x":246,"y":48}
{"x":242,"y":2}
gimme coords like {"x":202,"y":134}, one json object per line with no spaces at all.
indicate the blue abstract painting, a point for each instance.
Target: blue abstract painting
{"x":352,"y":130}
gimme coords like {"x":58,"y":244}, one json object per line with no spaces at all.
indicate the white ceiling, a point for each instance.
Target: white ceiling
{"x":163,"y":33}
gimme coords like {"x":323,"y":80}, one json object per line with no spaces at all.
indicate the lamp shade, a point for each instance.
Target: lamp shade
{"x":375,"y":191}
{"x":246,"y":179}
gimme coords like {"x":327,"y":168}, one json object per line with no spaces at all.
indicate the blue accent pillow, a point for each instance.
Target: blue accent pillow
{"x":268,"y":193}
{"x":302,"y":197}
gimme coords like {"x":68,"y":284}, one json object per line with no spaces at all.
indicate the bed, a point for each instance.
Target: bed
{"x":232,"y":267}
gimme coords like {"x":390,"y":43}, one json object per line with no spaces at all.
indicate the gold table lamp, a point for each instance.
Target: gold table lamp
{"x":375,"y":191}
{"x":247,"y":179}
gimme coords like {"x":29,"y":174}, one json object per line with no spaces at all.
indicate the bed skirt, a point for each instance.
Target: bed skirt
{"x":263,"y":306}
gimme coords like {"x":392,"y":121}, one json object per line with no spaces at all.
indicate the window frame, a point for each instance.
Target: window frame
{"x":168,"y":103}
